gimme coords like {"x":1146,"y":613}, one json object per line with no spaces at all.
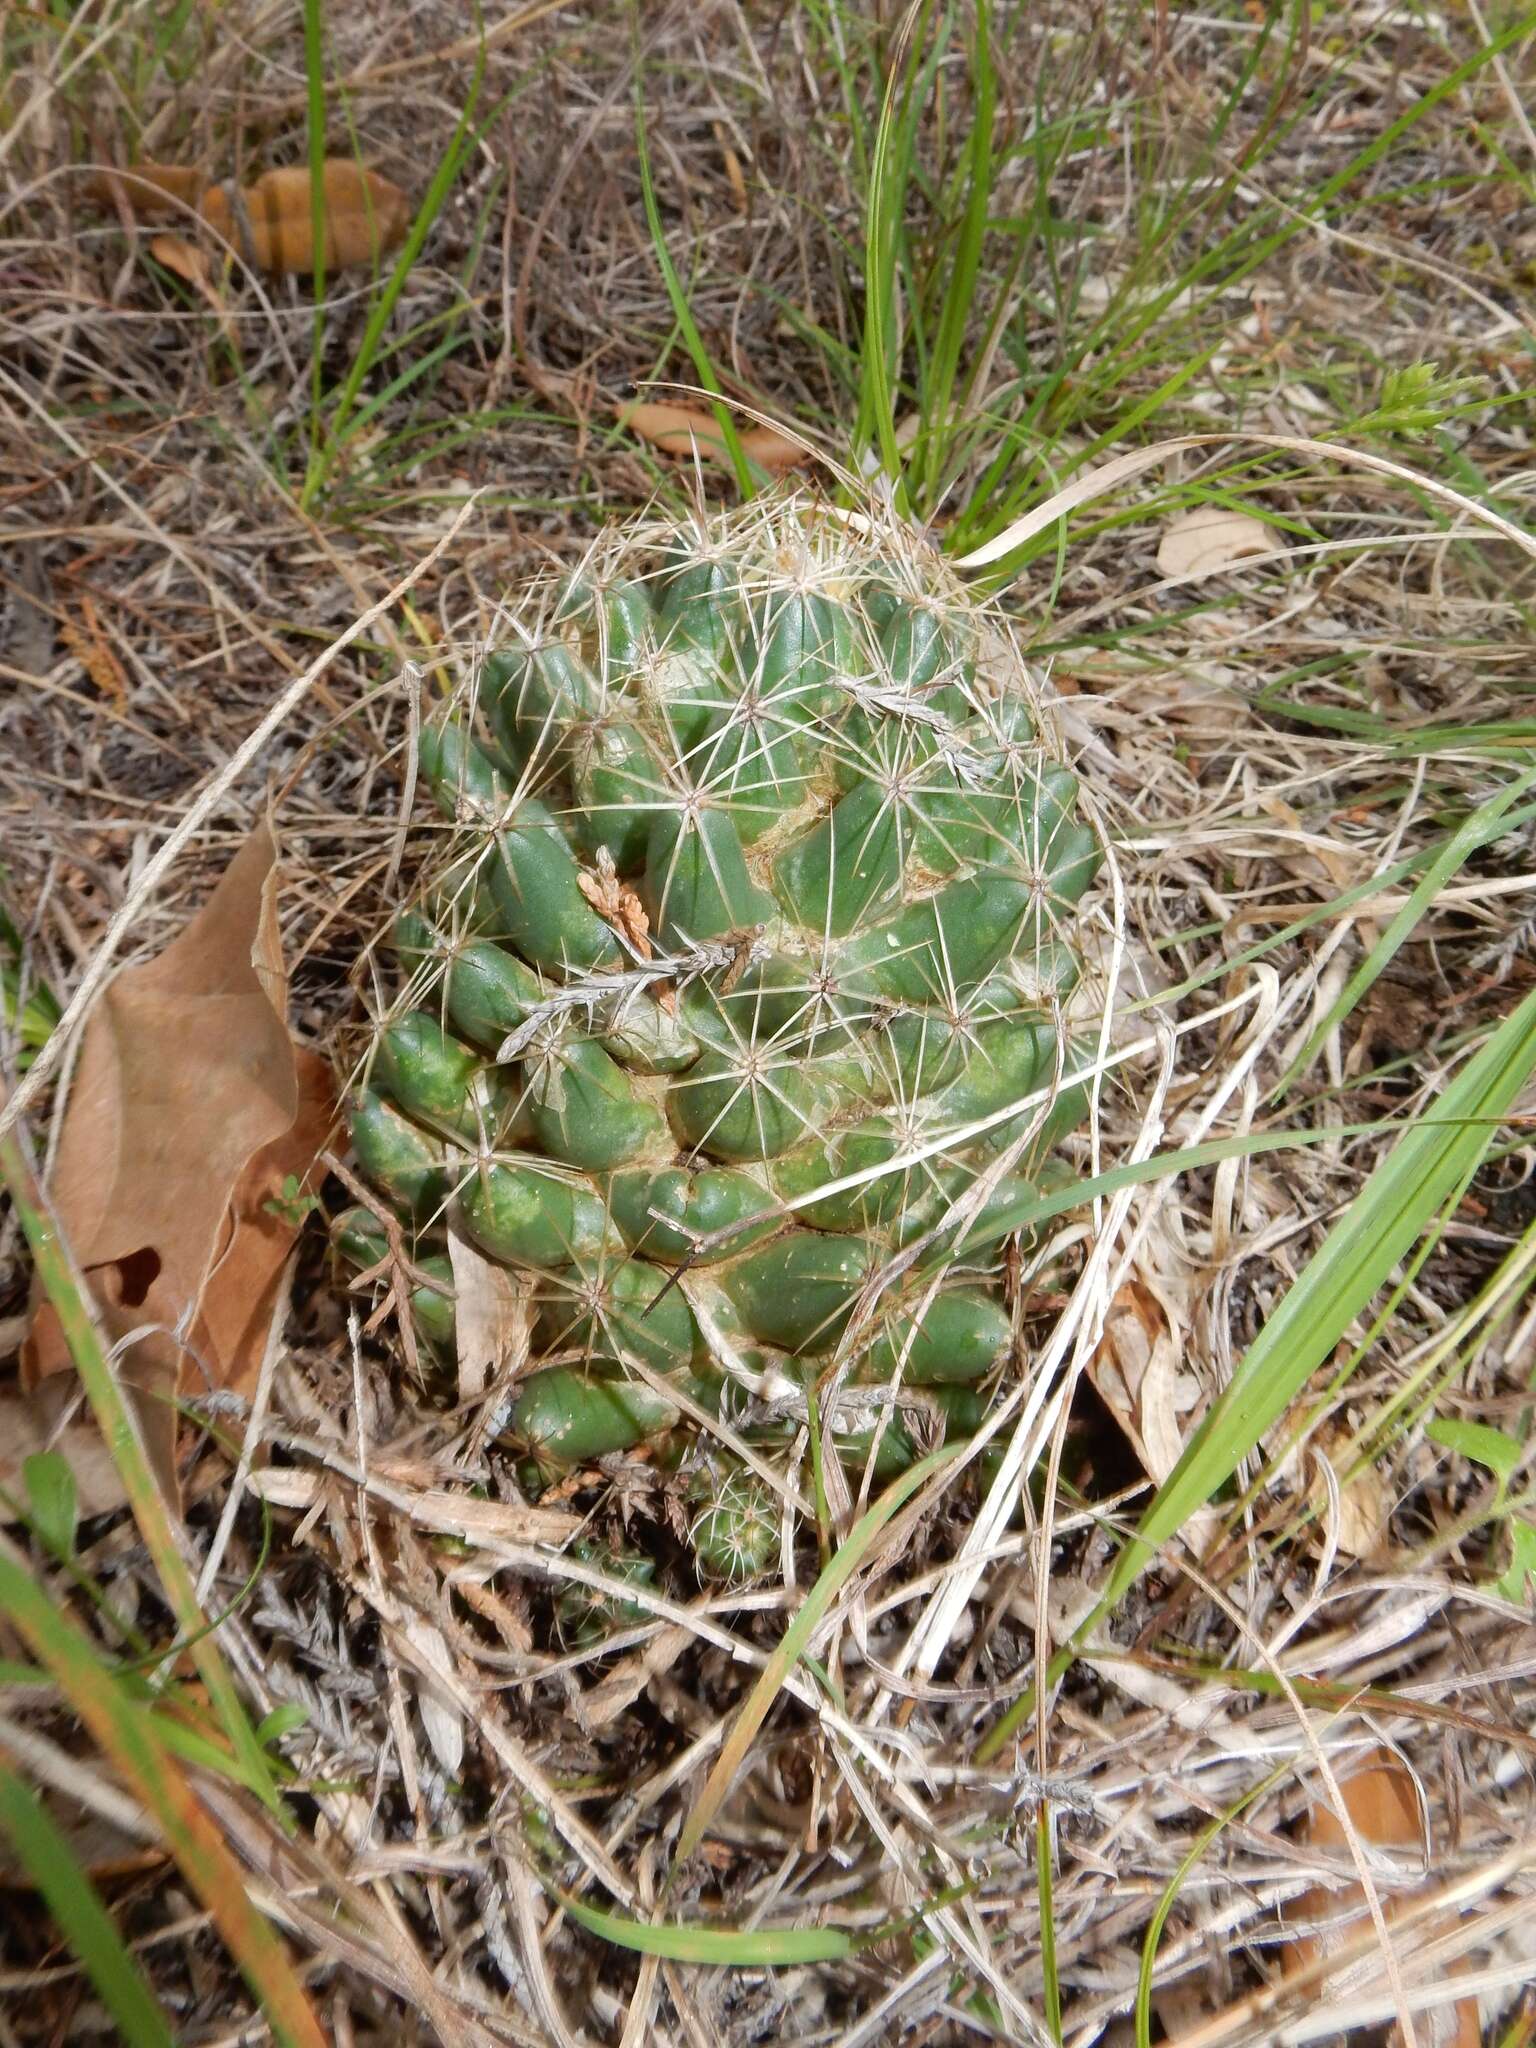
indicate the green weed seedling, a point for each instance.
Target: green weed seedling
{"x":1500,"y":1454}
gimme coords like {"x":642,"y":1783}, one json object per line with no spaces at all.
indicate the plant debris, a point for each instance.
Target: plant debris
{"x":270,"y":223}
{"x":187,"y":1161}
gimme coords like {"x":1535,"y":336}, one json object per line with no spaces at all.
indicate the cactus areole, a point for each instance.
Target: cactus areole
{"x":731,"y":1013}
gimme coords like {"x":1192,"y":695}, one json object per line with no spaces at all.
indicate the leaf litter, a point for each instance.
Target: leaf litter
{"x":269,"y":222}
{"x":187,"y":1160}
{"x":1380,"y":1813}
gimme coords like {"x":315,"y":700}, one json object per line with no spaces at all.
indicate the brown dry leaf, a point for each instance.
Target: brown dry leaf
{"x":458,"y":1515}
{"x":270,"y":221}
{"x":1355,"y":1512}
{"x":95,"y":654}
{"x":603,"y":1704}
{"x":35,"y":1421}
{"x":677,"y":430}
{"x":617,"y":901}
{"x":149,"y":191}
{"x":1384,"y":1813}
{"x":683,"y":430}
{"x":1135,"y":1370}
{"x":733,"y":172}
{"x":187,"y":261}
{"x":190,"y":1147}
{"x":183,"y":259}
{"x":104,"y":1852}
{"x":773,"y":450}
{"x":1207,"y":539}
{"x":365,"y":215}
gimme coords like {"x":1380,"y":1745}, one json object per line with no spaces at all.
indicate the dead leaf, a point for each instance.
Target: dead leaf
{"x":601,"y":1706}
{"x":1383,"y":1812}
{"x":95,"y":653}
{"x":1180,"y":2008}
{"x":365,"y":215}
{"x":1355,"y":1511}
{"x":617,"y":901}
{"x":183,"y":259}
{"x":266,"y":1211}
{"x":189,"y":1153}
{"x":684,"y":431}
{"x":287,"y":1486}
{"x":490,"y":1318}
{"x":270,"y":222}
{"x":187,"y":261}
{"x":733,"y":172}
{"x":149,"y":191}
{"x":476,"y":1522}
{"x":32,"y":1422}
{"x":105,"y":1852}
{"x":1208,"y":538}
{"x":677,"y":430}
{"x":1135,"y":1370}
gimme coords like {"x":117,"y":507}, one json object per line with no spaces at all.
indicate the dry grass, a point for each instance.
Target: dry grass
{"x":161,"y":587}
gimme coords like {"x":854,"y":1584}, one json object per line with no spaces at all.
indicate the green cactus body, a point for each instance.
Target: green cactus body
{"x":404,"y":1162}
{"x":588,"y":1615}
{"x":735,"y":1531}
{"x":760,"y":902}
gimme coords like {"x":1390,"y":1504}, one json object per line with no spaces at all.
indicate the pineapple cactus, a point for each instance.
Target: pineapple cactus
{"x":731,"y":1014}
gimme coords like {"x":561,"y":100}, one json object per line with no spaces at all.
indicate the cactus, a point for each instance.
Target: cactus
{"x":586,"y":1616}
{"x":732,"y":1012}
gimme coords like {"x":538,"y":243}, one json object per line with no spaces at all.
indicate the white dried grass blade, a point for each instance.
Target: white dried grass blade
{"x":490,"y":1323}
{"x":1082,"y":490}
{"x":439,"y":1716}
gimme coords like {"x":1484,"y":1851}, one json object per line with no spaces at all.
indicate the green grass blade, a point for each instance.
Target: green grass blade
{"x":30,"y":1676}
{"x":28,"y":1008}
{"x":53,"y":1499}
{"x":1165,"y":1905}
{"x":127,"y":1733}
{"x":1045,"y":1886}
{"x":1373,"y":885}
{"x":960,"y":288}
{"x":1111,"y":356}
{"x":1453,"y":855}
{"x":741,"y":1948}
{"x":876,"y":426}
{"x":682,"y":312}
{"x":341,"y":422}
{"x":181,"y":1741}
{"x":748,"y":1947}
{"x":413,"y":373}
{"x":82,"y":1919}
{"x":1356,"y":1259}
{"x":1027,"y":1212}
{"x":56,"y":1270}
{"x":314,"y":78}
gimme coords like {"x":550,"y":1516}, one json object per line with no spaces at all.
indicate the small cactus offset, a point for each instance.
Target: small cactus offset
{"x":731,"y":1014}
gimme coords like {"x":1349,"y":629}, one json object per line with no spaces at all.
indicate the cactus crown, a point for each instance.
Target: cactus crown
{"x":731,"y":1006}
